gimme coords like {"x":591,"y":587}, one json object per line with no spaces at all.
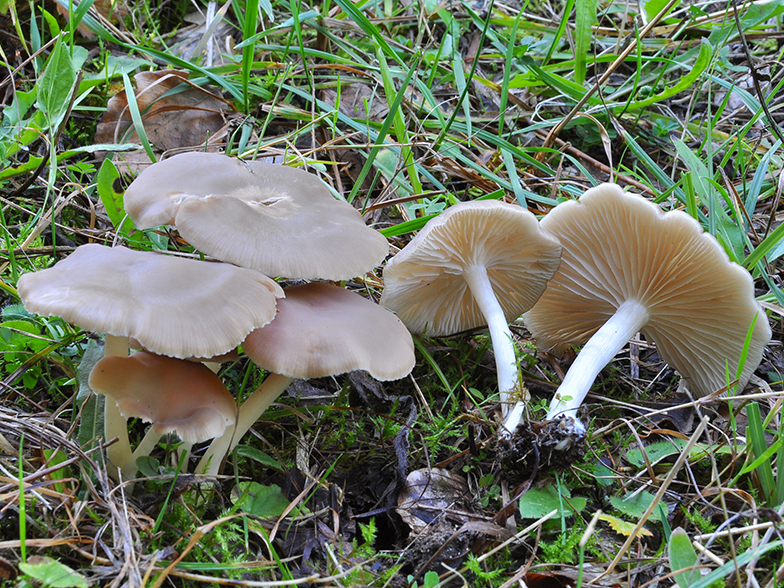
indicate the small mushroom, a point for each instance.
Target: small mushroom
{"x":321,"y":330}
{"x":174,"y":395}
{"x":628,"y":267}
{"x":172,"y":306}
{"x":478,"y":263}
{"x":276,"y":219}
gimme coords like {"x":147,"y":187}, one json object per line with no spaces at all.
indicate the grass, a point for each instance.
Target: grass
{"x":403,"y":110}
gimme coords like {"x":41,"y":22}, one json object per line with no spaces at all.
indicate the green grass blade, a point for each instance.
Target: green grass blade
{"x":756,"y":436}
{"x":584,"y":19}
{"x":379,"y":142}
{"x":368,"y":28}
{"x":763,"y":248}
{"x":567,"y":12}
{"x":399,"y":124}
{"x":136,"y":117}
{"x":248,"y":30}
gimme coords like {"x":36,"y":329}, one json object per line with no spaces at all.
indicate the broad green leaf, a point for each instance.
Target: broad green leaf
{"x":537,"y":502}
{"x":51,"y":573}
{"x":262,"y":501}
{"x":661,"y":450}
{"x":90,"y":405}
{"x":635,"y":504}
{"x":54,"y":86}
{"x":112,"y":200}
{"x":682,"y":557}
{"x":624,"y":528}
{"x":260,"y":457}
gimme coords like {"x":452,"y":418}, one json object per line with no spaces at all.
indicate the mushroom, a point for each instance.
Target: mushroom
{"x":279,"y":220}
{"x":628,"y":267}
{"x":321,"y":330}
{"x":172,"y":306}
{"x":478,"y":263}
{"x":174,"y":395}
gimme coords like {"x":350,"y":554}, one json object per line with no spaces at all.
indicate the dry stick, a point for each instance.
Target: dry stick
{"x":605,"y":76}
{"x":657,"y":498}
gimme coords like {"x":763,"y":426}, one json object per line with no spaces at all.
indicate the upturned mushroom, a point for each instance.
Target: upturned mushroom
{"x":628,"y":267}
{"x":172,"y":306}
{"x":276,"y":219}
{"x":174,"y":395}
{"x":478,"y":263}
{"x":321,"y":330}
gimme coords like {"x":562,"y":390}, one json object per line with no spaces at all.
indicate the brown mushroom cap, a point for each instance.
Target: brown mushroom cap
{"x":322,"y":330}
{"x":618,"y":246}
{"x":279,"y":220}
{"x":172,"y":306}
{"x":423,"y":284}
{"x":175,"y":395}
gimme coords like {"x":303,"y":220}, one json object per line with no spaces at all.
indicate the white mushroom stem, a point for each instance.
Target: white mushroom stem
{"x":600,"y":349}
{"x":250,"y":411}
{"x":147,"y":445}
{"x":500,"y":335}
{"x":144,"y":448}
{"x":114,"y":425}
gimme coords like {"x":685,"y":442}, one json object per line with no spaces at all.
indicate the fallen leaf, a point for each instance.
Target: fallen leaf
{"x":175,"y":112}
{"x":623,"y":527}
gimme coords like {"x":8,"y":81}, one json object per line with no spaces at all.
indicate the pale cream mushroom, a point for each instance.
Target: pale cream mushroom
{"x":321,"y":330}
{"x":628,"y":267}
{"x":276,"y":219}
{"x":478,"y":263}
{"x":175,"y":395}
{"x":172,"y":306}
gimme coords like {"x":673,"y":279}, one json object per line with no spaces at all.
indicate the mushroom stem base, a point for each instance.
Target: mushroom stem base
{"x":115,"y":425}
{"x":249,"y":413}
{"x":600,"y":349}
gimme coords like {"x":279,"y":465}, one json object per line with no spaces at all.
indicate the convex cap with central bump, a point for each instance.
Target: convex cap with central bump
{"x":272,"y":218}
{"x":628,"y":267}
{"x":172,"y":306}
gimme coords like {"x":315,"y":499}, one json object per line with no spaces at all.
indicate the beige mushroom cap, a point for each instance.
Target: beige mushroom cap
{"x":279,"y":220}
{"x":175,"y":395}
{"x":618,"y":246}
{"x":423,"y":284}
{"x":172,"y":306}
{"x":322,"y":330}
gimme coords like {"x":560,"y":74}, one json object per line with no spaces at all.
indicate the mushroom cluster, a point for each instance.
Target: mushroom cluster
{"x":598,"y":269}
{"x":625,"y":267}
{"x":260,"y":217}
